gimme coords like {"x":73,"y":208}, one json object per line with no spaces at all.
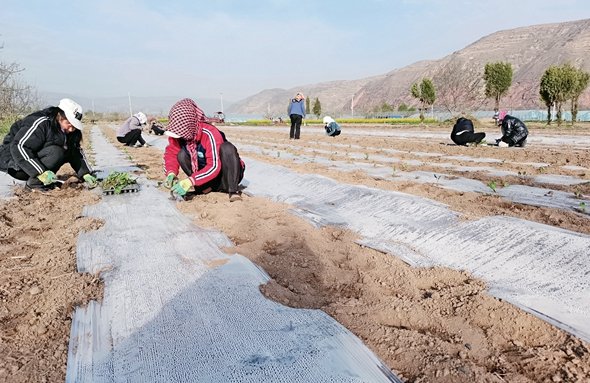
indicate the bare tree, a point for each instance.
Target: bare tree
{"x":16,"y":98}
{"x":459,"y":88}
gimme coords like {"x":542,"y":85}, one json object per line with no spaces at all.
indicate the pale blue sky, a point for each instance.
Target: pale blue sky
{"x":105,"y":48}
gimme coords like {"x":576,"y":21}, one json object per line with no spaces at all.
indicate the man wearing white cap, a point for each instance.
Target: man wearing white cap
{"x":38,"y":145}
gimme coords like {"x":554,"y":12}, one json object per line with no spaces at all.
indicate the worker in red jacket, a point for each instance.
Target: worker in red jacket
{"x":210,"y":161}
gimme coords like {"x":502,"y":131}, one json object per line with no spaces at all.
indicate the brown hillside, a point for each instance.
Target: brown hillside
{"x":457,"y":77}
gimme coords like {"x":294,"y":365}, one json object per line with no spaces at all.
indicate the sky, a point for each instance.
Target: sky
{"x":232,"y":49}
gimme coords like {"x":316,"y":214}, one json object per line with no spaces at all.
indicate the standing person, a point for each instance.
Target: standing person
{"x":331,"y":126}
{"x":37,"y":146}
{"x":129,"y":132}
{"x":514,"y":131}
{"x":210,"y":161}
{"x":463,"y":132}
{"x":296,"y":112}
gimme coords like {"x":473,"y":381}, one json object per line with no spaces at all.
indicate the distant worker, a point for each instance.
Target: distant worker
{"x":463,"y":132}
{"x":514,"y":131}
{"x":296,"y":112}
{"x":129,"y":132}
{"x":37,"y":146}
{"x":156,"y":128}
{"x":331,"y":126}
{"x":202,"y":152}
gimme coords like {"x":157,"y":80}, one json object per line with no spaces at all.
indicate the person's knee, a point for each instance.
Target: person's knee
{"x":52,"y":157}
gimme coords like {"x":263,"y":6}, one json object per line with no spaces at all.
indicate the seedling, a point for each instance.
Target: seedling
{"x":118,"y":182}
{"x":278,"y":154}
{"x":582,"y":206}
{"x":366,"y":156}
{"x":437,"y":177}
{"x":492,"y":185}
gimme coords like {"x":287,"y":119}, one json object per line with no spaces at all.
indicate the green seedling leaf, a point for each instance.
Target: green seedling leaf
{"x":492,"y":185}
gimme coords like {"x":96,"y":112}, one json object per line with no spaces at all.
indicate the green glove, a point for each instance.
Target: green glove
{"x":182,"y":187}
{"x":169,"y":180}
{"x":47,"y":177}
{"x":90,"y":180}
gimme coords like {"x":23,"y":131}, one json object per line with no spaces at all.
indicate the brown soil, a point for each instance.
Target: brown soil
{"x":427,"y":324}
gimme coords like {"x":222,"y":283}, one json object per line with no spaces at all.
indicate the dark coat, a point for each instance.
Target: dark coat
{"x":31,"y":134}
{"x":514,"y":131}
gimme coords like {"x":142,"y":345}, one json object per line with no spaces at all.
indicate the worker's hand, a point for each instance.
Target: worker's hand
{"x":170,"y":178}
{"x":502,"y":144}
{"x":90,"y":180}
{"x":182,"y":187}
{"x":47,"y":177}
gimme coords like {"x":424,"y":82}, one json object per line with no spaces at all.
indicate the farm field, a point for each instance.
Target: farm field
{"x":427,"y":321}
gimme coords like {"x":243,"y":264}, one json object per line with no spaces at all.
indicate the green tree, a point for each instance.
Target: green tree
{"x":498,"y":78}
{"x":581,"y":81}
{"x":425,"y":93}
{"x":307,"y":106}
{"x":548,"y":89}
{"x":317,"y":107}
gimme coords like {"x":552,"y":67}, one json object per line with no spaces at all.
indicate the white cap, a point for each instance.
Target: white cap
{"x":141,"y":117}
{"x":73,"y":112}
{"x":328,"y":120}
{"x":171,"y":134}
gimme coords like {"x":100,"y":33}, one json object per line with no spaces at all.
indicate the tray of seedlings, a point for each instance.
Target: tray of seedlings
{"x":118,"y":183}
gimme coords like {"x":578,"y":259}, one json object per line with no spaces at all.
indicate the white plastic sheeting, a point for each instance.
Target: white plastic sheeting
{"x":7,"y":183}
{"x":517,"y":193}
{"x":177,"y":309}
{"x":539,"y":268}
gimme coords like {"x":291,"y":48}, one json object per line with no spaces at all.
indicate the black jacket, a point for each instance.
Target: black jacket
{"x":514,"y":131}
{"x":31,"y":134}
{"x":462,"y":125}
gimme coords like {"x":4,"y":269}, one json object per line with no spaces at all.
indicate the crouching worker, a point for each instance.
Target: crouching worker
{"x":156,"y":127}
{"x":38,"y":145}
{"x":331,"y":126}
{"x":463,"y":132}
{"x":210,"y":161}
{"x":514,"y":131}
{"x":129,"y":133}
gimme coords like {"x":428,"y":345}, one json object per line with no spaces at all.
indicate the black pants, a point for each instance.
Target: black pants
{"x":52,"y":157}
{"x":157,"y":130}
{"x":229,"y":177}
{"x":295,"y":126}
{"x":132,"y":138}
{"x":467,"y":137}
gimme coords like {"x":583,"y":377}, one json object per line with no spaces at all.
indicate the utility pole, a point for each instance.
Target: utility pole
{"x":130,"y":110}
{"x":221,"y":99}
{"x":352,"y":105}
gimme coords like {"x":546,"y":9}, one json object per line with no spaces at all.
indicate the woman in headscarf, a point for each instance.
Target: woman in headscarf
{"x":201,"y":151}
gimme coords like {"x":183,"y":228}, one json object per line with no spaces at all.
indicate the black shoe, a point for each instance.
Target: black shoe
{"x":34,"y":183}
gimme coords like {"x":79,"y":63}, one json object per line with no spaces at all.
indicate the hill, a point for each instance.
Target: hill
{"x":457,"y":76}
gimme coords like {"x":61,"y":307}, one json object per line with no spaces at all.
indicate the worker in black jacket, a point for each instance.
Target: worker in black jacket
{"x":39,"y":144}
{"x":463,"y":132}
{"x":514,"y":131}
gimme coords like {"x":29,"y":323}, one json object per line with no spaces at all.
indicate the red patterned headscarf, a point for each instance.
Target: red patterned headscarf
{"x":184,"y":120}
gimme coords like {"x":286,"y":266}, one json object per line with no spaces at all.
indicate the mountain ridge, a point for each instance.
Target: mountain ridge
{"x":457,"y":76}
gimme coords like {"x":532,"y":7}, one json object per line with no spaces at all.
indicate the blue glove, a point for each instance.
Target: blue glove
{"x":182,"y":187}
{"x":47,"y":177}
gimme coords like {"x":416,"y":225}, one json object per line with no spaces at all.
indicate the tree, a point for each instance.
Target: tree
{"x":459,"y":87}
{"x":548,"y":89}
{"x":580,"y":84}
{"x":498,"y":78}
{"x":317,"y":107}
{"x":425,"y":93}
{"x":16,"y":98}
{"x":307,"y":109}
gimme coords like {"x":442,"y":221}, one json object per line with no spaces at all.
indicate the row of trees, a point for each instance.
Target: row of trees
{"x":558,"y":85}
